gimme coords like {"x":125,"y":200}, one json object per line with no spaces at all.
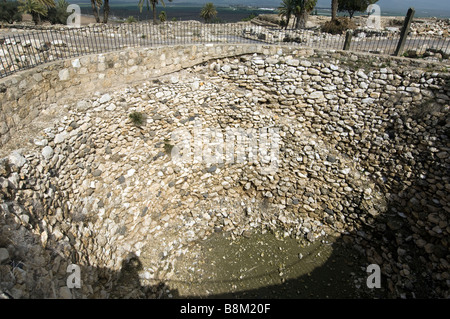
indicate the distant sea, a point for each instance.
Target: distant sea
{"x":225,"y":14}
{"x":183,"y":13}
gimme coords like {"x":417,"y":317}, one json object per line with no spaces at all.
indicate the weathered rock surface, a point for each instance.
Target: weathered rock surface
{"x":104,"y":190}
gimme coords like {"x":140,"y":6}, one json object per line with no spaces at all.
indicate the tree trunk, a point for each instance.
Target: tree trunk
{"x":302,"y":18}
{"x":105,"y":11}
{"x":288,"y":19}
{"x":95,"y":11}
{"x":154,"y":13}
{"x":305,"y":16}
{"x":334,"y":7}
{"x":299,"y":23}
{"x":36,"y":17}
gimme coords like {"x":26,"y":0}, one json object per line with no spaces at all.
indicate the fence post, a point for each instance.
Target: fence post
{"x":348,"y":40}
{"x":405,"y":31}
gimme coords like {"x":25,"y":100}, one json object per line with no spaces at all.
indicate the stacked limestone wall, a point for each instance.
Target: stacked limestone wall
{"x":364,"y":152}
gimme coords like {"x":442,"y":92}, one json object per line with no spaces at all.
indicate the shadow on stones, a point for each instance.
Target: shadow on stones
{"x":337,"y":278}
{"x":25,"y":265}
{"x":389,"y":242}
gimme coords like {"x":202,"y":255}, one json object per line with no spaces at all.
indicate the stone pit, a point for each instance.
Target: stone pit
{"x":363,"y":157}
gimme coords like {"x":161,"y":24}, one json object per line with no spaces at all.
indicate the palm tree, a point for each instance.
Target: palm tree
{"x":105,"y":11}
{"x":36,"y":8}
{"x":96,"y":4}
{"x":302,"y":10}
{"x":352,"y":6}
{"x":286,"y":10}
{"x":334,"y":9}
{"x":153,"y":3}
{"x":47,"y":3}
{"x":208,"y":12}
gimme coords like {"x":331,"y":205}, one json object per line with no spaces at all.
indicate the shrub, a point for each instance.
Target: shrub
{"x":250,"y":17}
{"x":33,"y":7}
{"x":163,"y":16}
{"x":217,"y":20}
{"x":270,"y":18}
{"x":130,"y":19}
{"x":338,"y":26}
{"x":287,"y":38}
{"x":57,"y":16}
{"x":136,"y":118}
{"x":396,"y":22}
{"x":9,"y":12}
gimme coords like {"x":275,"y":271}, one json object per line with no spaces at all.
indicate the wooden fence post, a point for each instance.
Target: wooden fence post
{"x":405,"y":31}
{"x":348,"y":40}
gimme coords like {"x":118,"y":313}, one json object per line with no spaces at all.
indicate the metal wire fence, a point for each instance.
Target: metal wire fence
{"x":387,"y":44}
{"x":27,"y":49}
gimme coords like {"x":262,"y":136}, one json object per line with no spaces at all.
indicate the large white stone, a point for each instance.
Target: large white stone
{"x":47,"y":152}
{"x":42,"y":142}
{"x":64,"y":75}
{"x":59,"y":138}
{"x":226,"y":68}
{"x":312,"y":71}
{"x":195,"y":85}
{"x":316,"y":95}
{"x":111,"y":107}
{"x":367,"y":100}
{"x":76,"y":63}
{"x":37,"y":77}
{"x":105,"y":98}
{"x":293,"y":62}
{"x":413,"y":89}
{"x":305,"y":63}
{"x":14,"y":180}
{"x":17,"y":159}
{"x":334,"y":67}
{"x":82,"y":105}
{"x":259,"y":61}
{"x":361,"y":74}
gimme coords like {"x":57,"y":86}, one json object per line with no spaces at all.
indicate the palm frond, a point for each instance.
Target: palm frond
{"x":47,"y":3}
{"x":32,"y":6}
{"x":150,"y":2}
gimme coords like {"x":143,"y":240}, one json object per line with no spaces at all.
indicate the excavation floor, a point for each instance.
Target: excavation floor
{"x":263,"y":266}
